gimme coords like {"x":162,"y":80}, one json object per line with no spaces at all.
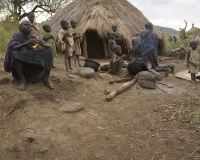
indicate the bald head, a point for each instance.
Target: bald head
{"x":25,"y":22}
{"x":73,"y":23}
{"x":149,"y":26}
{"x":114,"y":28}
{"x":193,"y":42}
{"x":25,"y":27}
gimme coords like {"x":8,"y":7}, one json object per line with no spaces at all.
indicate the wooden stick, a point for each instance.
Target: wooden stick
{"x":2,"y":130}
{"x":120,"y":80}
{"x":169,"y":46}
{"x":194,"y":152}
{"x":161,"y":89}
{"x":5,"y":136}
{"x":165,"y":58}
{"x":169,"y":86}
{"x":121,"y":89}
{"x":19,"y":104}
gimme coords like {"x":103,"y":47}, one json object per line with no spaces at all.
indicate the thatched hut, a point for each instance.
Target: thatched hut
{"x":95,"y":18}
{"x":194,"y":32}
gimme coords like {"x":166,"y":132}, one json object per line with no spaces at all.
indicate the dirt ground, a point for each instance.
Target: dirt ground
{"x":139,"y":124}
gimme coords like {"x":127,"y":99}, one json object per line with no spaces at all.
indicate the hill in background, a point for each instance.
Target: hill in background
{"x":168,"y":31}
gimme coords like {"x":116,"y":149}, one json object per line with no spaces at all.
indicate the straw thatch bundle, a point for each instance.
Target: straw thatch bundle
{"x":194,"y":32}
{"x":95,"y":18}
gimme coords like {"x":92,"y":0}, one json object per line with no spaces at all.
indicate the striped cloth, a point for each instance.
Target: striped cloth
{"x":35,"y":61}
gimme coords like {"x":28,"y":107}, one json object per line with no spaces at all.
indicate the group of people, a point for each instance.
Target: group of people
{"x":31,"y":59}
{"x":145,"y":49}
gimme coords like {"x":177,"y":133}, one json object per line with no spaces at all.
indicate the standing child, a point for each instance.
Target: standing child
{"x":111,"y":42}
{"x":35,"y":27}
{"x":77,"y":40}
{"x":66,"y":42}
{"x":192,"y":60}
{"x":118,"y":39}
{"x":48,"y":37}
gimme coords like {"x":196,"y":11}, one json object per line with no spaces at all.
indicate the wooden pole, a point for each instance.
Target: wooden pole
{"x":121,"y":89}
{"x":120,"y":80}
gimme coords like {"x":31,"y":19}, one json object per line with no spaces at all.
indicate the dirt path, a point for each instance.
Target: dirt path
{"x":139,"y":124}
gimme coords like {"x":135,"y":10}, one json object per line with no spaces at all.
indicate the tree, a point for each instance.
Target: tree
{"x":182,"y":32}
{"x":18,"y":9}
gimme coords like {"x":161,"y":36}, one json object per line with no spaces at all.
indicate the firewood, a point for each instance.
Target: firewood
{"x":120,"y":80}
{"x":120,"y":89}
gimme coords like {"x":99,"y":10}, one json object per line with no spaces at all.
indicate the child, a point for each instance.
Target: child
{"x":66,"y":42}
{"x":117,"y":37}
{"x":77,"y":40}
{"x":119,"y":40}
{"x":111,"y":42}
{"x":49,"y":39}
{"x":116,"y":62}
{"x":35,"y":27}
{"x":192,"y":60}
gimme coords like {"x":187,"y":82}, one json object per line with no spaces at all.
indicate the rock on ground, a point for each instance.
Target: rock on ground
{"x":72,"y":109}
{"x":146,"y":80}
{"x":157,"y":75}
{"x":4,"y":80}
{"x":87,"y":72}
{"x":105,"y":76}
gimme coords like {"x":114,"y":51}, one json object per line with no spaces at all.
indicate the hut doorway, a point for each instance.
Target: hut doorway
{"x":95,"y":47}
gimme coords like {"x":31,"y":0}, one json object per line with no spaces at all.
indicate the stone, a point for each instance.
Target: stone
{"x":146,"y":80}
{"x":57,"y":78}
{"x":73,"y":76}
{"x":75,"y":108}
{"x":87,"y":72}
{"x":75,"y":71}
{"x":4,"y":80}
{"x":105,"y":76}
{"x":157,"y":75}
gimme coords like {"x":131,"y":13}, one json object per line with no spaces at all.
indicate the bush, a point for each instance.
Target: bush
{"x":5,"y":38}
{"x":180,"y":43}
{"x":7,"y":28}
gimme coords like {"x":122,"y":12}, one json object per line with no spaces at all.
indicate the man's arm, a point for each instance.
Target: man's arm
{"x":116,"y":59}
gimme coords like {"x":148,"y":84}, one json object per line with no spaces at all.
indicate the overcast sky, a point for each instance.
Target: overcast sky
{"x":170,"y":13}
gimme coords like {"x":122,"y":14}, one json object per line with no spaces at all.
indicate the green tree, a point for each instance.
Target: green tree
{"x":18,"y":9}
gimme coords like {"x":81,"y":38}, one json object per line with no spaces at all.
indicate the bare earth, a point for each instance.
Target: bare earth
{"x":139,"y":124}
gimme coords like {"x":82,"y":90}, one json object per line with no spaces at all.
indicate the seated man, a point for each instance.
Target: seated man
{"x":116,"y":62}
{"x":25,"y":62}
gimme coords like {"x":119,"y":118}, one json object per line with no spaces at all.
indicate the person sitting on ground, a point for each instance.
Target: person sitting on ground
{"x":77,"y":41}
{"x":116,"y":62}
{"x":111,"y":42}
{"x":48,"y":37}
{"x":66,"y":42}
{"x":149,"y":49}
{"x":35,"y":27}
{"x":25,"y":62}
{"x":192,"y":60}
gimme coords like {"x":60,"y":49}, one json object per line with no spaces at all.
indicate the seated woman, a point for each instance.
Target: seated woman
{"x":25,"y":61}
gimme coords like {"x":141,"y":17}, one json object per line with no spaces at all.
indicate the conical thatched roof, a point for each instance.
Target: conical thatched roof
{"x":193,"y":31}
{"x":100,"y":15}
